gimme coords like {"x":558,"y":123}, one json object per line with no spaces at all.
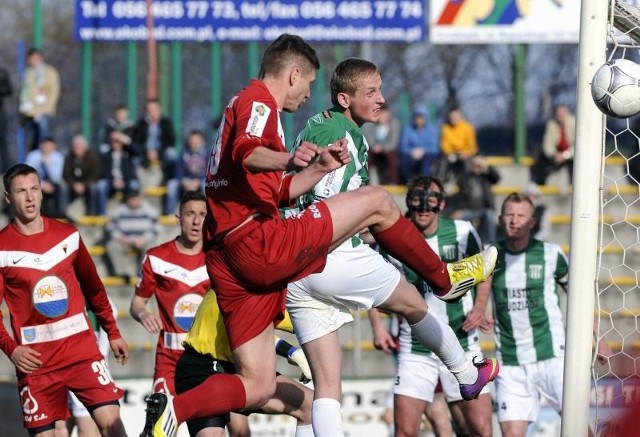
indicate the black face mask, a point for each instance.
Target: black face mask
{"x":421,"y":200}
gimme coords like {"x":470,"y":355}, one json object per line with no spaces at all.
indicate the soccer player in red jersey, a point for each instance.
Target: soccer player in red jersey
{"x":252,"y":253}
{"x":175,"y":273}
{"x":46,"y":273}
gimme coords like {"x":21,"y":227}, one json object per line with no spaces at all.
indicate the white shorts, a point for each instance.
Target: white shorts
{"x":417,"y":376}
{"x":518,"y":389}
{"x":354,"y":278}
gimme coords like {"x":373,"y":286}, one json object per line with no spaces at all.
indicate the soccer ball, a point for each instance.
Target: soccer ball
{"x":615,"y":88}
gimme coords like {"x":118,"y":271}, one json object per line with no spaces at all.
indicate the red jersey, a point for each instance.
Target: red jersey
{"x":179,"y":283}
{"x":45,"y":279}
{"x":252,"y":119}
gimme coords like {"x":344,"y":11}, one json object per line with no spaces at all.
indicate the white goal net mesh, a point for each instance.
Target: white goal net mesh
{"x":618,"y":286}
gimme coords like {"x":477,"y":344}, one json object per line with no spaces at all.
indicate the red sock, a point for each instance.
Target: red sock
{"x":217,"y":395}
{"x":405,"y":243}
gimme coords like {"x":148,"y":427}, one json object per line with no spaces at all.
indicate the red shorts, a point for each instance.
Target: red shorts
{"x":44,"y":396}
{"x":165,"y":372}
{"x":251,"y":268}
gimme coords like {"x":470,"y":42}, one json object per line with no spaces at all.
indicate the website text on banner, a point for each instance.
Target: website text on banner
{"x":314,"y":20}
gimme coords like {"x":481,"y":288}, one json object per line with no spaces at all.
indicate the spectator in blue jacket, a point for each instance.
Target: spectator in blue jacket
{"x":419,"y":146}
{"x":190,"y":170}
{"x":49,"y":162}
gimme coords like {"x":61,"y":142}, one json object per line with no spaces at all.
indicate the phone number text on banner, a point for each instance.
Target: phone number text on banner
{"x":225,"y":20}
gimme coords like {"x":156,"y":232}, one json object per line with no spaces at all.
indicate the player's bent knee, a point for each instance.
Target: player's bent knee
{"x":381,"y":199}
{"x":261,"y":394}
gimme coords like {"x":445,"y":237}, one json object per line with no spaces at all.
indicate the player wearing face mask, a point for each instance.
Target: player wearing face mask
{"x":419,"y":369}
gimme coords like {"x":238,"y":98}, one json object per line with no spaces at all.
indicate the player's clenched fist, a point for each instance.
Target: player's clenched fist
{"x":335,"y":155}
{"x":304,"y":154}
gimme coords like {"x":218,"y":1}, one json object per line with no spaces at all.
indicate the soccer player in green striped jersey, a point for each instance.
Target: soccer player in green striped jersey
{"x":419,"y":370}
{"x":355,"y":276}
{"x":529,"y":326}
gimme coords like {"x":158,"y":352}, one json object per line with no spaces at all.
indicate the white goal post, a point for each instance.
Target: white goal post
{"x":585,"y":212}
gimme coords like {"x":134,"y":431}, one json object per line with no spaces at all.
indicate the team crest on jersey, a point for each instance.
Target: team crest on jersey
{"x":184,"y":311}
{"x":50,"y":296}
{"x":29,"y":334}
{"x":535,"y":271}
{"x":449,"y":251}
{"x":258,"y":120}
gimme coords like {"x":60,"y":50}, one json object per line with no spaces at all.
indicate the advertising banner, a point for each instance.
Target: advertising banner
{"x":503,"y":22}
{"x":225,"y":20}
{"x":362,"y":405}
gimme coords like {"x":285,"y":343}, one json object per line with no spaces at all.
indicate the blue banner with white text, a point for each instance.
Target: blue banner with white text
{"x":242,"y":20}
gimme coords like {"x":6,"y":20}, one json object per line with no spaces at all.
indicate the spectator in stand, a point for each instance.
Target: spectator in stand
{"x":458,"y":144}
{"x":557,"y":146}
{"x":132,"y":227}
{"x":475,"y":201}
{"x":82,"y":169}
{"x":190,"y":170}
{"x":383,"y":137}
{"x":38,"y":96}
{"x":49,"y":163}
{"x":119,"y":122}
{"x":418,"y":147}
{"x":118,"y":172}
{"x":5,"y":91}
{"x":154,"y":140}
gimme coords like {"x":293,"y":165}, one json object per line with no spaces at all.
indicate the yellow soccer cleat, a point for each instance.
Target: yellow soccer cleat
{"x":468,"y":272}
{"x":161,"y":420}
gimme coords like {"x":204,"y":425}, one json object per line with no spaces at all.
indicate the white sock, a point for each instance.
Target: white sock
{"x":326,"y":418}
{"x":304,"y":431}
{"x":440,"y":338}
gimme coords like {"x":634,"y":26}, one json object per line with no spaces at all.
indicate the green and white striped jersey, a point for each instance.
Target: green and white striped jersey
{"x":324,"y":129}
{"x":454,"y":240}
{"x":529,"y":326}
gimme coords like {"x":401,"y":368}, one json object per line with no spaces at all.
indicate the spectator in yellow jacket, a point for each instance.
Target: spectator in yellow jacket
{"x":458,"y":144}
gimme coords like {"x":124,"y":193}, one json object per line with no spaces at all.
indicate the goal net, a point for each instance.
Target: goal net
{"x":614,"y":382}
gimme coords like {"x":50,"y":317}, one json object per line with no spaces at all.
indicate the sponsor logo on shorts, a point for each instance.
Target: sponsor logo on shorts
{"x":160,"y":386}
{"x":315,"y":211}
{"x":29,"y":403}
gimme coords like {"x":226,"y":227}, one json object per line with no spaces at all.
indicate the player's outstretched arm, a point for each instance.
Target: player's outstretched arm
{"x":262,"y":159}
{"x":329,"y":158}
